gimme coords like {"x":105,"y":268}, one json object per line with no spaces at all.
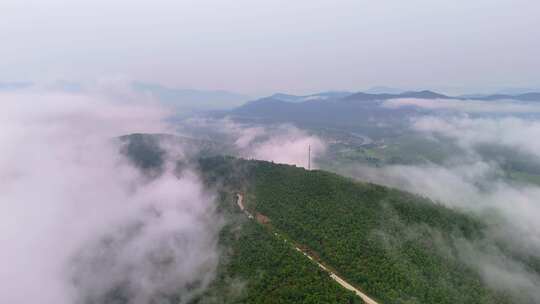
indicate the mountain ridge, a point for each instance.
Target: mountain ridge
{"x":354,"y":108}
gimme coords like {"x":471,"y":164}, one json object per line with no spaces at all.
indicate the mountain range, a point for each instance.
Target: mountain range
{"x":349,"y":110}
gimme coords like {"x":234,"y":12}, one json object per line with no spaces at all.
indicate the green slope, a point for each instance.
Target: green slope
{"x":257,"y":267}
{"x":396,"y":246}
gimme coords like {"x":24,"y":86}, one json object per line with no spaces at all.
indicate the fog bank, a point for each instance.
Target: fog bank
{"x":78,"y":222}
{"x":279,"y":143}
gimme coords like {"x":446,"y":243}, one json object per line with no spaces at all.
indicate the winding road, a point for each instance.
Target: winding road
{"x":335,"y":277}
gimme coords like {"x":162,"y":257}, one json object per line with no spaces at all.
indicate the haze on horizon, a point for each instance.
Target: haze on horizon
{"x":261,"y":47}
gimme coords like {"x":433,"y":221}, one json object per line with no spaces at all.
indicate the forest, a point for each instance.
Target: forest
{"x":396,"y":246}
{"x":257,"y":267}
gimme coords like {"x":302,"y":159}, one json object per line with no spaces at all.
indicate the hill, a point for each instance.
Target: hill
{"x":255,"y":267}
{"x":397,"y":247}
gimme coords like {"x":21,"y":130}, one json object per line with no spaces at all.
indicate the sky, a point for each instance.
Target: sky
{"x":260,"y":47}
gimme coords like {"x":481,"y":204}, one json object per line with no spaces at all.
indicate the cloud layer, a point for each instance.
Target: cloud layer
{"x":78,"y":222}
{"x":469,"y":106}
{"x":477,"y":183}
{"x":283,"y":143}
{"x":512,"y":132}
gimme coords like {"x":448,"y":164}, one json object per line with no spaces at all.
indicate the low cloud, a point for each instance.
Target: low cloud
{"x":500,"y":271}
{"x":477,"y":184}
{"x":467,"y":106}
{"x":512,"y":132}
{"x":283,"y":143}
{"x":78,"y":222}
{"x":512,"y":211}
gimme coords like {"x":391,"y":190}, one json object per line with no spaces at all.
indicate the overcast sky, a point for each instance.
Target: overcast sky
{"x":257,"y":47}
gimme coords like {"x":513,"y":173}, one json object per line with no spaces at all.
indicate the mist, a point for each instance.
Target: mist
{"x":467,"y":106}
{"x":474,"y":180}
{"x":279,"y":143}
{"x":476,"y":183}
{"x":78,"y":222}
{"x":511,"y":132}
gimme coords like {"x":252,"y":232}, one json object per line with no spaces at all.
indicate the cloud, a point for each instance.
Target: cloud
{"x":289,"y":145}
{"x":282,"y":143}
{"x":511,"y":211}
{"x":501,"y":271}
{"x":78,"y":222}
{"x":476,"y":183}
{"x":468,"y":106}
{"x":512,"y":132}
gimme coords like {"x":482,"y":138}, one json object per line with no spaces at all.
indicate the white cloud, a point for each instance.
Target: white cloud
{"x":511,"y":210}
{"x":512,"y":132}
{"x":287,"y":145}
{"x":283,"y":143}
{"x":473,"y":183}
{"x":76,"y":219}
{"x":468,"y":106}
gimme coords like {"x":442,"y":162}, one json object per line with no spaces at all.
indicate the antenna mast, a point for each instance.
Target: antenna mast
{"x":309,"y":157}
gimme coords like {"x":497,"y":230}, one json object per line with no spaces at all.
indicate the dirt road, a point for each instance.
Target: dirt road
{"x":335,"y":277}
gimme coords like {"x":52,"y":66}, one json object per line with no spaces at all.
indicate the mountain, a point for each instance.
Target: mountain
{"x":255,"y":266}
{"x":361,"y":96}
{"x":397,"y":247}
{"x":426,"y":94}
{"x":318,"y":96}
{"x":353,"y":110}
{"x":384,"y":90}
{"x":531,"y":96}
{"x":188,"y":99}
{"x":145,"y":152}
{"x":517,"y":91}
{"x":11,"y":86}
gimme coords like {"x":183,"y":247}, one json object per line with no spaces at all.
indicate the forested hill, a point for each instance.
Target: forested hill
{"x":255,"y":266}
{"x":397,"y":247}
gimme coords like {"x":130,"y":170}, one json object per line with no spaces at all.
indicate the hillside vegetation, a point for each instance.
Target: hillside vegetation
{"x":256,"y":267}
{"x":397,"y":247}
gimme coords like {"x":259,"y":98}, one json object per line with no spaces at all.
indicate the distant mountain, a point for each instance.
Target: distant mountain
{"x":471,"y":96}
{"x":517,"y":91}
{"x":11,"y":86}
{"x":351,"y":111}
{"x":278,"y":102}
{"x":317,"y":96}
{"x":189,"y":99}
{"x":532,"y":96}
{"x":357,"y":101}
{"x":361,"y":96}
{"x":384,"y":90}
{"x":426,"y":94}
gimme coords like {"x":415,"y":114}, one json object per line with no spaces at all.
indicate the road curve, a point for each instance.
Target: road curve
{"x":335,"y":277}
